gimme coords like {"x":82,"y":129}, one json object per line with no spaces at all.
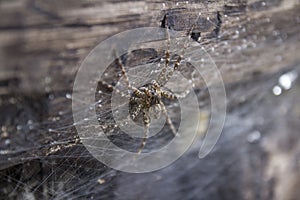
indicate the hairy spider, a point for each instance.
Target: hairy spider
{"x":145,"y":102}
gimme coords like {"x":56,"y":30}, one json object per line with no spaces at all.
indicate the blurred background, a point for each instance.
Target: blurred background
{"x":254,"y":43}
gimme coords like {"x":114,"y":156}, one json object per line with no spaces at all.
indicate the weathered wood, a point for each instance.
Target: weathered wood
{"x":53,"y":38}
{"x":42,"y":44}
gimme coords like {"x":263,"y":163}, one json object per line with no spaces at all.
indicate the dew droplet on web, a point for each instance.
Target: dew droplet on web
{"x":254,"y":137}
{"x":277,"y":90}
{"x":68,"y":96}
{"x":19,"y":127}
{"x":286,"y":80}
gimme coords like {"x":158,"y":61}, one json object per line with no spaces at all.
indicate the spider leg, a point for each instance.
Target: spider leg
{"x":136,"y":110}
{"x":170,"y":95}
{"x":110,"y":86}
{"x":162,"y":75}
{"x":138,"y":93}
{"x":176,"y":67}
{"x":183,"y":94}
{"x":181,"y":55}
{"x":122,"y":67}
{"x":146,"y":120}
{"x":169,"y":121}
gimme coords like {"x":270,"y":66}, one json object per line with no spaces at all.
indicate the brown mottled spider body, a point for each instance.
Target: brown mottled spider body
{"x":148,"y":97}
{"x":145,"y":102}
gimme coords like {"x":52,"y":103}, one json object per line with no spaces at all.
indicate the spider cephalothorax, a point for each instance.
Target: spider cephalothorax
{"x":144,"y":98}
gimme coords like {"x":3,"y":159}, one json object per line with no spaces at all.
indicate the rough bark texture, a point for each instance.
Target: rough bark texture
{"x":253,"y":42}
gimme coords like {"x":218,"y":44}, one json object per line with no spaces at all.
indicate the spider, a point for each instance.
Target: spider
{"x":145,"y":102}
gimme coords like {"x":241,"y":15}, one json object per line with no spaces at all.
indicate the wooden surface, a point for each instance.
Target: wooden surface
{"x":42,"y":44}
{"x":52,"y":39}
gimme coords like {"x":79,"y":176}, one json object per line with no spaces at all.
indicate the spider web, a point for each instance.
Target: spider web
{"x":60,"y":167}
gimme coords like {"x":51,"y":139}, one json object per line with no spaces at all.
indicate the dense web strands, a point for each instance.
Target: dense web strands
{"x":53,"y":162}
{"x":143,"y":100}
